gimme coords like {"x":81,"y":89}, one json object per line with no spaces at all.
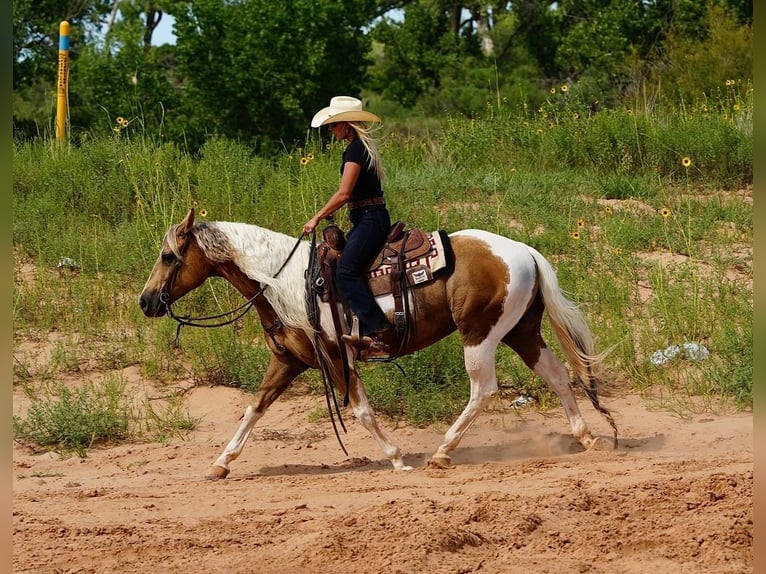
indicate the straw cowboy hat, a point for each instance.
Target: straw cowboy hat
{"x":342,"y":109}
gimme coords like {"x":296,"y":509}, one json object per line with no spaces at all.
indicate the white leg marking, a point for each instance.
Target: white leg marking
{"x":553,"y":372}
{"x":480,"y":364}
{"x":237,"y":443}
{"x":480,"y":359}
{"x":365,"y":415}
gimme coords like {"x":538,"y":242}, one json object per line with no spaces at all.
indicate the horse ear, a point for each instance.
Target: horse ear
{"x":188,"y":222}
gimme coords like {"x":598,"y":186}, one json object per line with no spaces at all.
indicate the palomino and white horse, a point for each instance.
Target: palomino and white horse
{"x":496,"y":293}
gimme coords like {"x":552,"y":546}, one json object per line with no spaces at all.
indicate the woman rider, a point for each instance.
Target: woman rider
{"x":360,"y":189}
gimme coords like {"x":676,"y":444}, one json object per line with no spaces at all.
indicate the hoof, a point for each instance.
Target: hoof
{"x":439,"y":462}
{"x":217,"y":472}
{"x":601,"y":444}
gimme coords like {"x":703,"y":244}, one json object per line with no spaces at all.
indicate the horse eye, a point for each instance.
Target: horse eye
{"x":168,"y":258}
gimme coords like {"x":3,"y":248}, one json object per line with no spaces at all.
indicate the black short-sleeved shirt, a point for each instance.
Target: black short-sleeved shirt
{"x":368,"y":184}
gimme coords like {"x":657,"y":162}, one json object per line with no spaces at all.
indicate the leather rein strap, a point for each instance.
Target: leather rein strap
{"x":312,"y":307}
{"x":189,"y":321}
{"x":315,"y":282}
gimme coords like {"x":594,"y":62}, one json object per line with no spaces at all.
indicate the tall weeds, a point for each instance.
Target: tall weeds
{"x":645,"y":210}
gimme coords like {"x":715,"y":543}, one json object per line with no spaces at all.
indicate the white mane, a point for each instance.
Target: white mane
{"x":259,"y":253}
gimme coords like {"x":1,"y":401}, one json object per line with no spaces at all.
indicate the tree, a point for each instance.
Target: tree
{"x":125,"y":77}
{"x":458,"y":52}
{"x":257,"y":70}
{"x":418,"y":50}
{"x":36,"y":34}
{"x":35,"y":54}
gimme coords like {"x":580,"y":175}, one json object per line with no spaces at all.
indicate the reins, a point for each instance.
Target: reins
{"x":312,"y":308}
{"x":188,"y":321}
{"x":332,"y":402}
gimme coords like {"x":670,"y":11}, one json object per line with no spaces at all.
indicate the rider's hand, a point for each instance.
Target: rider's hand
{"x":310,"y":225}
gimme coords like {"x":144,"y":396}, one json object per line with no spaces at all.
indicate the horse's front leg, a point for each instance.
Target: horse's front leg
{"x":281,"y":371}
{"x":365,"y":415}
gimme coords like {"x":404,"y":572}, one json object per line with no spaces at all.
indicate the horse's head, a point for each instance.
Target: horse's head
{"x":179,"y":268}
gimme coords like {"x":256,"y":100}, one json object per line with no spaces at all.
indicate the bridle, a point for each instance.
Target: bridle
{"x":238,"y":312}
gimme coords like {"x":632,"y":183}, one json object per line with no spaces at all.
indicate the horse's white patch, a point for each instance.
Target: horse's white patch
{"x":260,"y":253}
{"x":521,"y":270}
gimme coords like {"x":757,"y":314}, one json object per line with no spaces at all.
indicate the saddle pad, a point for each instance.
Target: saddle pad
{"x":419,"y":270}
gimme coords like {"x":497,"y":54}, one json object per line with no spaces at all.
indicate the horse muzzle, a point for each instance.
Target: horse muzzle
{"x":152,"y":304}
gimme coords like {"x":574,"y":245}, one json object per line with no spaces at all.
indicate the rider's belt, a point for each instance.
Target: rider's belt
{"x":366,"y":202}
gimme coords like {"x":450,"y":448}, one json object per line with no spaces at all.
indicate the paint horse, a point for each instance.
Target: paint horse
{"x":496,"y":293}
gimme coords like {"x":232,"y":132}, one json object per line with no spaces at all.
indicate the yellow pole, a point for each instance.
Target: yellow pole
{"x":63,"y":83}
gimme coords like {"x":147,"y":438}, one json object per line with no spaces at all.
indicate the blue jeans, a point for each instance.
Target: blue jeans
{"x":363,"y":243}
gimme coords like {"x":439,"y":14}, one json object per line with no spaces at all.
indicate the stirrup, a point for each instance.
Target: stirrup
{"x":364,"y":346}
{"x":352,"y":339}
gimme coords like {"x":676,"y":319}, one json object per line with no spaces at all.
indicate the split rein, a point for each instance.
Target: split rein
{"x":239,"y":312}
{"x":332,"y":403}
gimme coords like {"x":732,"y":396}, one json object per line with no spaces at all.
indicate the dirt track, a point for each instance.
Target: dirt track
{"x":676,"y":497}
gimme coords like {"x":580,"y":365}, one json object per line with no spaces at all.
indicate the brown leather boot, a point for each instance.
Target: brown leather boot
{"x":380,"y":342}
{"x":376,"y":344}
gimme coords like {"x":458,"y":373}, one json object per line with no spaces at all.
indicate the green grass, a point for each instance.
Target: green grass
{"x":77,"y":418}
{"x":645,"y":213}
{"x":72,"y":418}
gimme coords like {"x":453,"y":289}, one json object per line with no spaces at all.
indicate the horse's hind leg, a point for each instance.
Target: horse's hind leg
{"x":365,"y":415}
{"x":553,"y":372}
{"x":281,"y":371}
{"x":526,"y":339}
{"x":480,"y":364}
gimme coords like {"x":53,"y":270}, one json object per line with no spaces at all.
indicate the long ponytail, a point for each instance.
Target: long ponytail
{"x":369,"y":143}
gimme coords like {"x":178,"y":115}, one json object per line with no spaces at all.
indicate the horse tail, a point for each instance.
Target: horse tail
{"x":573,"y":333}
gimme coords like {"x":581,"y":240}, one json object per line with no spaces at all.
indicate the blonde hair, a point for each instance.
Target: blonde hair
{"x":368,"y":141}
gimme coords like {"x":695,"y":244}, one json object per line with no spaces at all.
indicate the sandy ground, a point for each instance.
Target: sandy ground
{"x":676,"y":497}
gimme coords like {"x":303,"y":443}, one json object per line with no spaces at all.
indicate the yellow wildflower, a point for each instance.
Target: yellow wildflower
{"x":203,"y":213}
{"x":665,"y":212}
{"x":686,"y":162}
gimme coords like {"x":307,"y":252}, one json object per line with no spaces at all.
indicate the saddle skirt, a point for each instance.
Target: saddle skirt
{"x":409,"y":257}
{"x":420,"y":255}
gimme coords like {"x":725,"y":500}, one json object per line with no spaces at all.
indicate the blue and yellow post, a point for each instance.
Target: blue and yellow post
{"x":63,"y":83}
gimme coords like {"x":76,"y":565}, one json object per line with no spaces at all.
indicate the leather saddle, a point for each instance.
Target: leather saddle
{"x":401,"y":262}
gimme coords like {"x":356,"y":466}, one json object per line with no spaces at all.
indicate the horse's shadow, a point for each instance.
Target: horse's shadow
{"x":549,"y":447}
